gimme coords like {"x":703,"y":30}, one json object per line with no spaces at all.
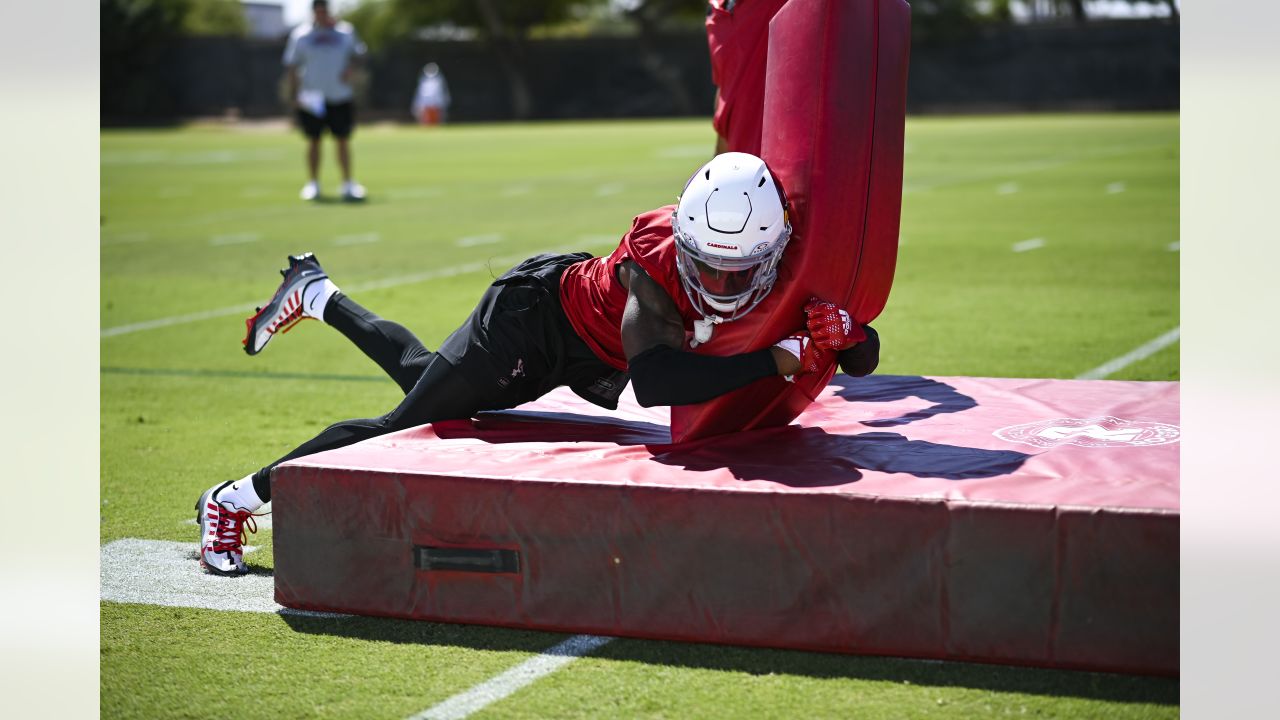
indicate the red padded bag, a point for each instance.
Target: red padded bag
{"x":835,"y":109}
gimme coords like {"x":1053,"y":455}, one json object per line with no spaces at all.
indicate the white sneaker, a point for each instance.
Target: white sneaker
{"x":222,"y":533}
{"x":352,"y":191}
{"x":310,"y":191}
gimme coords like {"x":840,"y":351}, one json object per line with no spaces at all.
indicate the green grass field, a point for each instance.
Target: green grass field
{"x":195,"y":223}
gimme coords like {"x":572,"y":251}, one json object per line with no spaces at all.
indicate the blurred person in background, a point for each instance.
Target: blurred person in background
{"x":738,"y":37}
{"x":320,"y":58}
{"x":431,"y":101}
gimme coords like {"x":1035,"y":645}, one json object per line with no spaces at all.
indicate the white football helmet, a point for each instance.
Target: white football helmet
{"x":730,"y":230}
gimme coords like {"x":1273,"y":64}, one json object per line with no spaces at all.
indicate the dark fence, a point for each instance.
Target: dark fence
{"x":1121,"y":65}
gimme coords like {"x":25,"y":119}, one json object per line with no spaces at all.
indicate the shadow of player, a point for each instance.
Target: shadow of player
{"x":892,"y":388}
{"x":812,"y":457}
{"x":791,"y":455}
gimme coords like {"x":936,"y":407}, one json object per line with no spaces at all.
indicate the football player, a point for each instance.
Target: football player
{"x":590,"y":323}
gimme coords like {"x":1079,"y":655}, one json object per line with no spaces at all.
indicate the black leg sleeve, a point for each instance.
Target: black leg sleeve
{"x":396,"y":350}
{"x":440,"y":394}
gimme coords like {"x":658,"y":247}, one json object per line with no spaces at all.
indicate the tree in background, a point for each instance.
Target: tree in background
{"x":649,"y":17}
{"x":215,"y":17}
{"x":503,"y":25}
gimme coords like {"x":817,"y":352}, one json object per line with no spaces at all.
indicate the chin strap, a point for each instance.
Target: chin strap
{"x":703,"y":328}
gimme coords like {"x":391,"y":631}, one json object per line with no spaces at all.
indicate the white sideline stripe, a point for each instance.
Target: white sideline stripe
{"x":1025,"y":245}
{"x":1115,"y":187}
{"x":1175,"y":246}
{"x":1007,"y":189}
{"x":490,"y":691}
{"x":1137,"y":354}
{"x":234,"y":238}
{"x":160,"y":572}
{"x":360,"y":239}
{"x":356,"y":287}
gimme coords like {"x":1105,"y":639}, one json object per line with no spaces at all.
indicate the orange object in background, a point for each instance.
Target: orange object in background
{"x":430,"y":116}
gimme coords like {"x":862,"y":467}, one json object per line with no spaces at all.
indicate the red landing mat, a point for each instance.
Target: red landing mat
{"x":1018,"y":521}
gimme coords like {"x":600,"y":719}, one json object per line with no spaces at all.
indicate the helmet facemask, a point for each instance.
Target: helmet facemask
{"x":730,"y":229}
{"x":728,"y":287}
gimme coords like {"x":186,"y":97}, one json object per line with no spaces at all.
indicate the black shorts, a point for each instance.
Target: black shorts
{"x":339,"y":118}
{"x":518,"y":345}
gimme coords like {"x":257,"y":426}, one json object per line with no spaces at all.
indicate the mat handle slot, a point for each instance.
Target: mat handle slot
{"x":458,"y":559}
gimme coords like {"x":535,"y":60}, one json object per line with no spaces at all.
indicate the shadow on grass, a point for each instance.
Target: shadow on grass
{"x":762,"y":661}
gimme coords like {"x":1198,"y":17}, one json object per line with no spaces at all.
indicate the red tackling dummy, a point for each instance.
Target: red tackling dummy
{"x":834,"y":111}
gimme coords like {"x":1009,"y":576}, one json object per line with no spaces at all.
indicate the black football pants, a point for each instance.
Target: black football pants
{"x":434,"y":389}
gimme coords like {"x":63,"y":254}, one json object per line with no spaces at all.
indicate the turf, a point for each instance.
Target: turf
{"x":197,"y":220}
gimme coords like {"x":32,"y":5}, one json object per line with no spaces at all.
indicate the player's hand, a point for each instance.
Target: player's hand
{"x":831,"y":327}
{"x":798,"y":354}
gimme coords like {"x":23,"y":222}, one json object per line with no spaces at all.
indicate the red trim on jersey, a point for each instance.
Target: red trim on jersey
{"x":593,"y":298}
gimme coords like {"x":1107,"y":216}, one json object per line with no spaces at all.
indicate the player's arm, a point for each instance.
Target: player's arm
{"x":662,"y":373}
{"x":291,"y":84}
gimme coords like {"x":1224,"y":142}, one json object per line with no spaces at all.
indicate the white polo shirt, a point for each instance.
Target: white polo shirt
{"x":321,"y":54}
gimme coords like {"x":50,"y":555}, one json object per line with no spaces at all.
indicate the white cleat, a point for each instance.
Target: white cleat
{"x":352,"y":191}
{"x":284,"y":309}
{"x":310,"y":191}
{"x":222,"y":533}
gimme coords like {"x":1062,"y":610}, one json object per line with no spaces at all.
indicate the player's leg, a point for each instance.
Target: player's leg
{"x":341,"y":120}
{"x":223,"y":511}
{"x":308,"y":293}
{"x":312,"y":127}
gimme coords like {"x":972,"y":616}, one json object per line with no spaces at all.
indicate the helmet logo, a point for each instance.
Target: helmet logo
{"x":722,"y":247}
{"x":761,"y":248}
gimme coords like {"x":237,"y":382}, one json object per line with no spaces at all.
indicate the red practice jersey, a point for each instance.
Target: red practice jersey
{"x":739,"y":39}
{"x":593,"y":298}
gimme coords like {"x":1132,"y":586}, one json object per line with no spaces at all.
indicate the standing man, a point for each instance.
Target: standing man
{"x":320,"y":58}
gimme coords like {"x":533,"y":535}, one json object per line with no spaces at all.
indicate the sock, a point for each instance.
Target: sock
{"x":316,"y":296}
{"x":241,"y":495}
{"x":262,"y":484}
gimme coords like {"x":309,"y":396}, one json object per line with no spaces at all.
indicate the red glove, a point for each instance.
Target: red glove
{"x":812,"y":356}
{"x":831,"y":327}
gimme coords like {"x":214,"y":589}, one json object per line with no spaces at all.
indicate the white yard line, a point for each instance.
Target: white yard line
{"x":160,"y":572}
{"x":490,"y":691}
{"x":609,"y":189}
{"x":168,"y":574}
{"x":1142,"y":352}
{"x":498,"y":263}
{"x":1115,"y":188}
{"x":1007,"y":188}
{"x":1026,"y":245}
